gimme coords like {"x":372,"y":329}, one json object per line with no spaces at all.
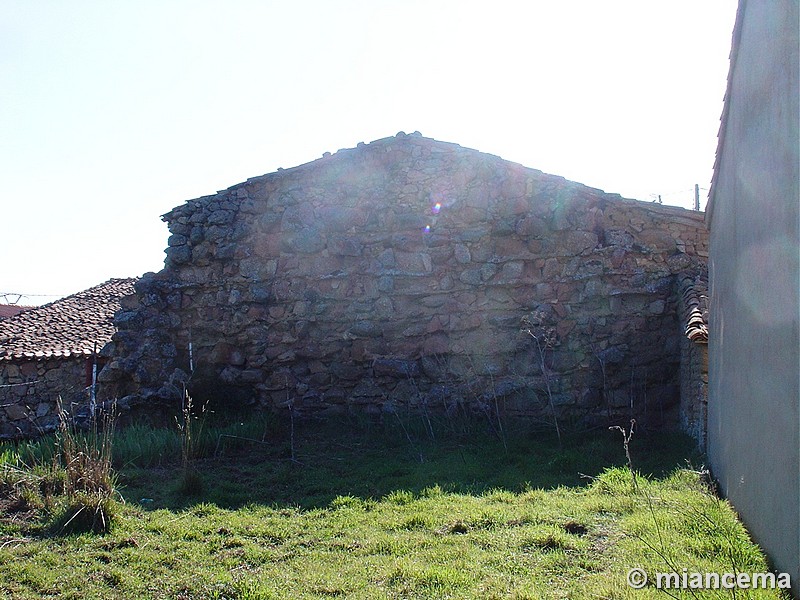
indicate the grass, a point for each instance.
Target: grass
{"x":363,"y":510}
{"x":66,"y":479}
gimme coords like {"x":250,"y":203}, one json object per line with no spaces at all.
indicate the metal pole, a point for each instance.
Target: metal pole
{"x":696,"y":196}
{"x":191,"y":356}
{"x":93,"y":398}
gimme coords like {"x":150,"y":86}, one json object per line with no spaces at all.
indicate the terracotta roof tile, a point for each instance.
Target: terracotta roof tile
{"x":67,"y":327}
{"x":693,"y":289}
{"x":10,"y":310}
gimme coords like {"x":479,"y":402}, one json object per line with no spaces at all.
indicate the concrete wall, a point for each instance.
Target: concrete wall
{"x":754,"y":350}
{"x":402,"y":274}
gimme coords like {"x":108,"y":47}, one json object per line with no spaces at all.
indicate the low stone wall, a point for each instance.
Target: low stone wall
{"x":413,"y":273}
{"x":29,"y":392}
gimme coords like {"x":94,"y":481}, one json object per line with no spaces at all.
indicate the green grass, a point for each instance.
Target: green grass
{"x":362,"y":510}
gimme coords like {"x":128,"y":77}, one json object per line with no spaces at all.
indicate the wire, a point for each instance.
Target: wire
{"x":684,"y":191}
{"x":7,"y":295}
{"x":31,"y":295}
{"x":10,"y":385}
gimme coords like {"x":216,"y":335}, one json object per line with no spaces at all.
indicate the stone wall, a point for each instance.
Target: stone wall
{"x":413,"y":273}
{"x":29,"y":392}
{"x":694,"y":390}
{"x":693,"y":311}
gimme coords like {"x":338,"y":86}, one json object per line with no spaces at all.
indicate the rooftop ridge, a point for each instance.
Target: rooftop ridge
{"x":417,"y":138}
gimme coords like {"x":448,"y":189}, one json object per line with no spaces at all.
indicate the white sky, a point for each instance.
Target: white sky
{"x":112,"y":112}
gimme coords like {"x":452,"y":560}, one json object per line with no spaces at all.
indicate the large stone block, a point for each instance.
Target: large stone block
{"x":345,"y":246}
{"x":305,"y":241}
{"x":16,"y":412}
{"x":395,"y":367}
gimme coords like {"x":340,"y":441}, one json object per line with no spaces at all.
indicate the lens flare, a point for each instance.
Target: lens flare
{"x":436,"y":208}
{"x":427,"y":228}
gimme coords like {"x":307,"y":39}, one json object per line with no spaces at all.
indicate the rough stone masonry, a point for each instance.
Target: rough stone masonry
{"x":412,"y":274}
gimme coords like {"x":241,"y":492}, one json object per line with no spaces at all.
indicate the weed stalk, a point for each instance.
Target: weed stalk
{"x":626,"y":440}
{"x":191,"y":483}
{"x":544,"y":338}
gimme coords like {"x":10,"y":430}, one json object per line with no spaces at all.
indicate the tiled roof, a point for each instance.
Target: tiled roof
{"x":10,"y":310}
{"x":67,"y":327}
{"x":694,"y":294}
{"x":723,"y":125}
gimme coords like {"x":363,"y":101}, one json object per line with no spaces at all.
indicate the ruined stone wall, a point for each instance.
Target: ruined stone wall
{"x":694,"y":390}
{"x":30,"y":389}
{"x":413,"y":273}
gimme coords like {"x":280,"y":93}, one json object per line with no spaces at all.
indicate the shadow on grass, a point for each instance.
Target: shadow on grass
{"x":321,"y":461}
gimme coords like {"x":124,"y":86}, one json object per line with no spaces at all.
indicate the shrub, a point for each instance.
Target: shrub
{"x":86,"y":512}
{"x":88,"y":476}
